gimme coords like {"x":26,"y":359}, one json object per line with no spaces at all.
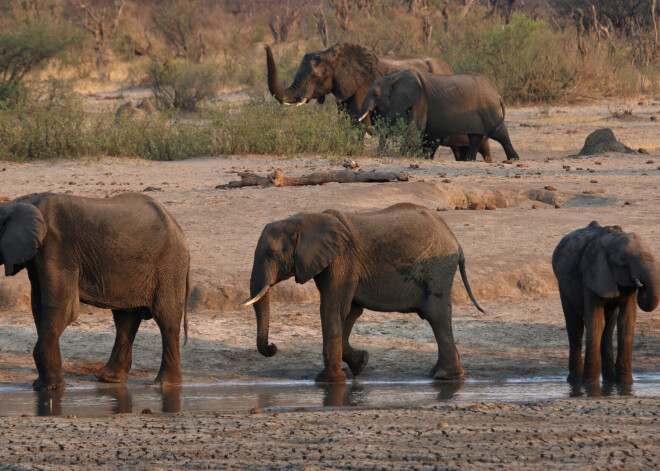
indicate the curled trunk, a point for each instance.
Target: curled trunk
{"x":289,"y":96}
{"x":648,"y":296}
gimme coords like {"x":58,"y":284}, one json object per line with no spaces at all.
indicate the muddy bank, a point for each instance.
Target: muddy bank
{"x":596,"y":434}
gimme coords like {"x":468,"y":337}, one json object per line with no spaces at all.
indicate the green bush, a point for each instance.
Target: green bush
{"x":183,"y":84}
{"x":26,"y":47}
{"x":399,"y":139}
{"x":525,"y":59}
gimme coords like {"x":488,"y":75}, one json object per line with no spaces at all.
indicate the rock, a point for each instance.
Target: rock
{"x":147,"y":410}
{"x":4,"y":199}
{"x":476,"y":206}
{"x":446,"y":180}
{"x":557,"y":206}
{"x":550,"y":188}
{"x":594,"y":181}
{"x":414,"y":165}
{"x":603,"y":140}
{"x":350,"y":163}
{"x":535,"y":206}
{"x":490,"y":207}
{"x":255,"y":410}
{"x":151,"y":188}
{"x":650,"y":161}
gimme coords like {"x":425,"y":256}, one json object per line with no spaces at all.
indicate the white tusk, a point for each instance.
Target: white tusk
{"x":249,"y":302}
{"x":364,"y":116}
{"x":639,"y":283}
{"x":301,"y":102}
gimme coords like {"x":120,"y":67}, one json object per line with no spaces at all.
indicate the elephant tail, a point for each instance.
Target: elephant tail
{"x":461,"y":266}
{"x":185,"y":309}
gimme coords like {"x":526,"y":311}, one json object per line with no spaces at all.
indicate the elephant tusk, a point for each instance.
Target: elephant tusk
{"x":301,"y":102}
{"x":364,"y":116}
{"x":249,"y":302}
{"x":638,"y":283}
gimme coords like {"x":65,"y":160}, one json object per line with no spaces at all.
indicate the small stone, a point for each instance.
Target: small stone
{"x":26,"y":415}
{"x":650,"y":161}
{"x":255,"y":410}
{"x":490,"y":207}
{"x":598,"y":162}
{"x":509,"y":161}
{"x":414,"y":166}
{"x":517,"y":176}
{"x":301,"y":409}
{"x":594,"y":181}
{"x":4,"y":199}
{"x":444,"y":425}
{"x":535,"y":206}
{"x":350,"y":163}
{"x":550,"y":188}
{"x":355,"y":403}
{"x":147,"y":410}
{"x":100,"y":183}
{"x":108,"y":173}
{"x":72,"y":183}
{"x":653,"y":118}
{"x":641,"y":150}
{"x":627,"y":203}
{"x":566,"y":167}
{"x":151,"y":188}
{"x":446,"y":180}
{"x":557,"y":205}
{"x":476,"y":206}
{"x":71,"y":416}
{"x":276,"y":414}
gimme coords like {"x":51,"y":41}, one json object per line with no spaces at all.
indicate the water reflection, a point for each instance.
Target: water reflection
{"x":100,"y":400}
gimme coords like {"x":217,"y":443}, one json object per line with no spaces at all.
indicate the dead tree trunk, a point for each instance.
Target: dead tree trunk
{"x":101,"y":25}
{"x":579,"y":26}
{"x":321,"y":26}
{"x":342,"y":12}
{"x":277,"y":178}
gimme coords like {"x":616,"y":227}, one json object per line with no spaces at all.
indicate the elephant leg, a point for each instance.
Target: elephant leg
{"x":475,"y":141}
{"x":437,"y":312}
{"x":52,"y":314}
{"x":355,"y":359}
{"x":501,"y":135}
{"x":484,"y":150}
{"x":119,"y":364}
{"x":575,"y":329}
{"x":168,"y":314}
{"x":625,"y":332}
{"x":594,"y":319}
{"x":335,"y":306}
{"x":606,"y":349}
{"x":458,"y":152}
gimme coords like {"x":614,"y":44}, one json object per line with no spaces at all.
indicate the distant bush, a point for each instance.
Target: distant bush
{"x":26,"y":47}
{"x":183,"y":84}
{"x":525,"y":59}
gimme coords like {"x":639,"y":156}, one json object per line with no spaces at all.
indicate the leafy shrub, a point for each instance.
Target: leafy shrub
{"x":399,"y":139}
{"x":183,"y":84}
{"x":26,"y":47}
{"x":525,"y":59}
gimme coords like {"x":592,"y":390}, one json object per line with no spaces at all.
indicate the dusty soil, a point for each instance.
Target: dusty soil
{"x":508,"y":254}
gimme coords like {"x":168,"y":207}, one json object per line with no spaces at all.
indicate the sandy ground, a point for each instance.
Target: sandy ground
{"x":508,"y":253}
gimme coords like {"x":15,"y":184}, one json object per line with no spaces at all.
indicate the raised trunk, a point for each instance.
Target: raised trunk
{"x":286,"y":96}
{"x":648,"y":296}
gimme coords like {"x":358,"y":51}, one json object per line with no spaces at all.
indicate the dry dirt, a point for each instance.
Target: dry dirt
{"x":508,"y":253}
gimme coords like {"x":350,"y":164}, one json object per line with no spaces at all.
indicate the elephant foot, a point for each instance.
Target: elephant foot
{"x":624,"y":379}
{"x":487,"y":159}
{"x":358,"y":362}
{"x":168,"y":379}
{"x":327,"y":376}
{"x":446,"y":373}
{"x":109,"y":374}
{"x":574,"y":378}
{"x":48,"y":383}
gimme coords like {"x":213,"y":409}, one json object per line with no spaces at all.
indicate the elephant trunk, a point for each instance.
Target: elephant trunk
{"x":648,"y":295}
{"x":367,"y":107}
{"x":286,"y":96}
{"x":260,"y":284}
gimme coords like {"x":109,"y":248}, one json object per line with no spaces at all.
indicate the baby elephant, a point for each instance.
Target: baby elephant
{"x":600,"y":270}
{"x":402,"y":258}
{"x":125,"y":253}
{"x":444,"y":108}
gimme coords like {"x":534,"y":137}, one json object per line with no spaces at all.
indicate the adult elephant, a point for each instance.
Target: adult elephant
{"x":602,"y":272}
{"x":125,"y":253}
{"x":402,"y":258}
{"x":442,"y":105}
{"x":347,"y":71}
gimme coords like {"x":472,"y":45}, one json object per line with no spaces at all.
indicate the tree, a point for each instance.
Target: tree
{"x":101,"y":21}
{"x":180,"y":22}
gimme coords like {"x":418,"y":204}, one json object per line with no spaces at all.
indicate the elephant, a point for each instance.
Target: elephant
{"x":124,"y":253}
{"x":347,"y":70}
{"x":441,"y":106}
{"x":402,"y":258}
{"x":600,"y":271}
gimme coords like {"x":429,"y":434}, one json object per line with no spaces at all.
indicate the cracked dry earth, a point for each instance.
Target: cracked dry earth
{"x":598,"y":434}
{"x":508,"y":253}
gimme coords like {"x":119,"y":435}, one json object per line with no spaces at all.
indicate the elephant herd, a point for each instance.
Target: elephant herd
{"x":128,"y":254}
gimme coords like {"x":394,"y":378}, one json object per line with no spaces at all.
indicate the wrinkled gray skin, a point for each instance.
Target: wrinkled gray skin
{"x":402,"y":258}
{"x":347,"y":71}
{"x":602,"y":272}
{"x":125,"y":253}
{"x":442,"y":105}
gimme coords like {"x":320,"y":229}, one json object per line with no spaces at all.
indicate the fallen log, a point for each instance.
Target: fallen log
{"x":277,"y":178}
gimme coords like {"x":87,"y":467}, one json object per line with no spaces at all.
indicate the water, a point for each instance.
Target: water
{"x":110,"y":399}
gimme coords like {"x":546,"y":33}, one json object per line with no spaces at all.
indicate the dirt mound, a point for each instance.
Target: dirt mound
{"x":603,"y":140}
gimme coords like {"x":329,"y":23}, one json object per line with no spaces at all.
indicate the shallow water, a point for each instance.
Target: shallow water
{"x":108,"y":399}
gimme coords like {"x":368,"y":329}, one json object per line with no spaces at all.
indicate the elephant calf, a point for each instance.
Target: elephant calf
{"x":600,"y":270}
{"x":445,"y":108}
{"x":402,"y":258}
{"x":125,"y":253}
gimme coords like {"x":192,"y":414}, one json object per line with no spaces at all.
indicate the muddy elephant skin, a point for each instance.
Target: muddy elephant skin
{"x":402,"y":258}
{"x":442,"y":106}
{"x":604,"y":273}
{"x":125,"y":253}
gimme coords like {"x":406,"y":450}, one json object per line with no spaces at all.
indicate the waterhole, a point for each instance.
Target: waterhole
{"x":101,"y":400}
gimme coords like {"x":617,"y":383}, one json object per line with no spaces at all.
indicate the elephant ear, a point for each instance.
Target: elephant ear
{"x":22,"y":230}
{"x":321,"y":239}
{"x":406,"y":92}
{"x":596,"y":271}
{"x":353,"y":67}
